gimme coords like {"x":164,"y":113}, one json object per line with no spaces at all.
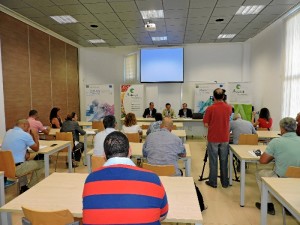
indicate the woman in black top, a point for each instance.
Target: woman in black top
{"x":55,"y":119}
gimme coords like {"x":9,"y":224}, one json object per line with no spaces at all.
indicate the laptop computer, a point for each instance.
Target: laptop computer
{"x":197,"y":116}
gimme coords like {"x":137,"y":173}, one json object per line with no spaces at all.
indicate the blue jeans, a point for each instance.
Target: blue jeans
{"x":214,"y":149}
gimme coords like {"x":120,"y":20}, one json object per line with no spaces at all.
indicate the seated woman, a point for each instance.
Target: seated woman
{"x":130,"y":125}
{"x":264,"y":120}
{"x":71,"y":125}
{"x":55,"y":119}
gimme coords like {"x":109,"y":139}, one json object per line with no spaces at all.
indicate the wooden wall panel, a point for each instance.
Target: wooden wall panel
{"x":72,"y":79}
{"x":15,"y":63}
{"x":59,"y":75}
{"x":40,"y":73}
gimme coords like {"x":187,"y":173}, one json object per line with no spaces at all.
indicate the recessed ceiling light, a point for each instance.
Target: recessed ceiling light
{"x":96,"y":41}
{"x":152,"y":14}
{"x":163,"y":38}
{"x":64,"y":19}
{"x":93,"y":25}
{"x":219,"y":20}
{"x":249,"y":9}
{"x":221,"y":36}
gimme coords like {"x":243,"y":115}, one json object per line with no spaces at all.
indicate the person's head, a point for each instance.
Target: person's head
{"x":236,"y":116}
{"x":298,"y":118}
{"x":184,"y":105}
{"x":264,"y":113}
{"x":109,"y":121}
{"x":72,"y":117}
{"x":130,"y":120}
{"x":33,"y":113}
{"x":168,"y":106}
{"x":167,"y":123}
{"x":287,"y":124}
{"x":23,"y":124}
{"x":151,"y":105}
{"x":158,"y":117}
{"x":116,"y":144}
{"x":54,"y":113}
{"x":219,"y":94}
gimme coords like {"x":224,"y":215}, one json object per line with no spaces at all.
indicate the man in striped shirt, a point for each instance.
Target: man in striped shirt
{"x":121,"y":193}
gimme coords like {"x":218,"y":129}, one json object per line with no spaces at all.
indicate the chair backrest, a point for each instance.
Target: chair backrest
{"x":248,"y":139}
{"x":133,"y":137}
{"x":160,"y":170}
{"x":293,"y":172}
{"x":7,"y":164}
{"x":98,"y":125}
{"x":260,"y":128}
{"x":60,"y":217}
{"x":97,"y":161}
{"x":145,"y":127}
{"x":65,"y":136}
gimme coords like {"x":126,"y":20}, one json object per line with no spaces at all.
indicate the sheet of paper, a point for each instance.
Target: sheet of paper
{"x":253,"y":154}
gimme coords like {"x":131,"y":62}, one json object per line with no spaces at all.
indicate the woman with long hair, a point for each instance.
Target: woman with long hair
{"x":264,"y":120}
{"x":55,"y":119}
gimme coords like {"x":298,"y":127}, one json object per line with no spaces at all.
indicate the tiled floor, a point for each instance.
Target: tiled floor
{"x":223,"y":204}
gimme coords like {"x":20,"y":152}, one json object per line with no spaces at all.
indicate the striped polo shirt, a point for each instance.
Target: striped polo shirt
{"x":123,"y":194}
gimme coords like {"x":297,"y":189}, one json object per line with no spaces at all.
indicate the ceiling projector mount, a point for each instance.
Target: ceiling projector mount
{"x":150,"y":26}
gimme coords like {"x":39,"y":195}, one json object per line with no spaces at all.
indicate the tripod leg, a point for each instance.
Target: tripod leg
{"x":203,"y":168}
{"x":234,"y":168}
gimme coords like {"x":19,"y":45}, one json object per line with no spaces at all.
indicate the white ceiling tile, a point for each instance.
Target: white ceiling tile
{"x":29,"y":12}
{"x":74,"y":9}
{"x":228,"y":3}
{"x":65,"y":2}
{"x":92,"y":1}
{"x":276,"y":9}
{"x":281,"y":2}
{"x":228,"y":11}
{"x":175,"y":14}
{"x":176,"y":4}
{"x":133,"y":15}
{"x":201,"y":12}
{"x":257,"y":2}
{"x":52,"y":10}
{"x":149,"y":5}
{"x":202,"y":3}
{"x":99,"y":8}
{"x":107,"y":17}
{"x":126,"y":6}
{"x":39,"y":3}
{"x":14,"y":4}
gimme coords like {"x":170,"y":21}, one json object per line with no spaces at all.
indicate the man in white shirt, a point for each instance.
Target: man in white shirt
{"x":109,"y":123}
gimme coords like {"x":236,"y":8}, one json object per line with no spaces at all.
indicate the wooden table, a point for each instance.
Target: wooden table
{"x":137,"y":151}
{"x":84,"y":123}
{"x":179,"y":133}
{"x":141,"y":119}
{"x":285,"y":190}
{"x":64,"y":191}
{"x":242,"y":153}
{"x":89,"y":132}
{"x":266,"y":134}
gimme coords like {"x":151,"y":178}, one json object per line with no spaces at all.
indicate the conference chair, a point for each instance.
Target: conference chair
{"x":145,"y":127}
{"x":97,"y":162}
{"x":133,"y":137}
{"x":64,"y":136}
{"x":160,"y":170}
{"x":7,"y":164}
{"x":59,"y":217}
{"x":291,"y":172}
{"x":174,"y":127}
{"x":248,"y":139}
{"x":98,"y":125}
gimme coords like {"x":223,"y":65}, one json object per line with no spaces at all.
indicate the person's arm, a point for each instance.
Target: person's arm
{"x":182,"y":151}
{"x":265,"y":158}
{"x":46,"y":131}
{"x":145,"y":113}
{"x":35,"y":136}
{"x":144,"y":149}
{"x":55,"y":121}
{"x":179,"y":113}
{"x":189,"y":113}
{"x":255,"y":124}
{"x":164,"y":206}
{"x":79,"y":129}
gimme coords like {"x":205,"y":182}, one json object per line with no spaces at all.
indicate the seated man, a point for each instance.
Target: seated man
{"x":298,"y":124}
{"x":164,"y":148}
{"x":185,"y":111}
{"x":239,"y":126}
{"x":109,"y":123}
{"x":150,"y":112}
{"x":120,"y":192}
{"x":168,"y":111}
{"x":18,"y":140}
{"x":284,"y":151}
{"x":35,"y":123}
{"x":155,"y":126}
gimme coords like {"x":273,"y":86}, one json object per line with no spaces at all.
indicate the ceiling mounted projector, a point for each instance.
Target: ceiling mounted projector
{"x":149,"y":26}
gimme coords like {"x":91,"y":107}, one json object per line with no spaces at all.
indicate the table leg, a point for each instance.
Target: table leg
{"x":46,"y":162}
{"x":242,"y":191}
{"x":2,"y":192}
{"x":70,"y":158}
{"x":188,"y":166}
{"x":85,"y":150}
{"x":230,"y":167}
{"x":89,"y":164}
{"x":5,"y":218}
{"x":264,"y":203}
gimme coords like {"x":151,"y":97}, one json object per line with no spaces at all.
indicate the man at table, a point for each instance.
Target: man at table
{"x":109,"y":123}
{"x":239,"y":126}
{"x":35,"y":123}
{"x":120,"y":192}
{"x":150,"y":112}
{"x":168,"y":111}
{"x":18,"y":140}
{"x":216,"y":119}
{"x":185,"y":111}
{"x":284,"y":151}
{"x":164,"y":148}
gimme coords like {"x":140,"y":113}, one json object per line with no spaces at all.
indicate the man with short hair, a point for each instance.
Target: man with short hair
{"x":35,"y":123}
{"x":285,"y":151}
{"x":18,"y":140}
{"x":168,"y":111}
{"x":164,"y":148}
{"x":216,"y":119}
{"x":109,"y":123}
{"x":185,"y":111}
{"x":121,"y":193}
{"x":155,"y":126}
{"x":150,"y":112}
{"x":239,"y":126}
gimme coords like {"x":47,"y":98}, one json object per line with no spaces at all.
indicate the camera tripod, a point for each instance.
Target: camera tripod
{"x":203,"y":168}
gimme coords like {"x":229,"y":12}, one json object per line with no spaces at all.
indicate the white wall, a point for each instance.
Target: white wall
{"x":2,"y":112}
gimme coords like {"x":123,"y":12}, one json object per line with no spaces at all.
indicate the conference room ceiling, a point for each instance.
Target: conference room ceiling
{"x":120,"y":23}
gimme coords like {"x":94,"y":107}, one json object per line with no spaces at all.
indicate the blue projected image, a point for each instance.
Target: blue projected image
{"x":162,"y":65}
